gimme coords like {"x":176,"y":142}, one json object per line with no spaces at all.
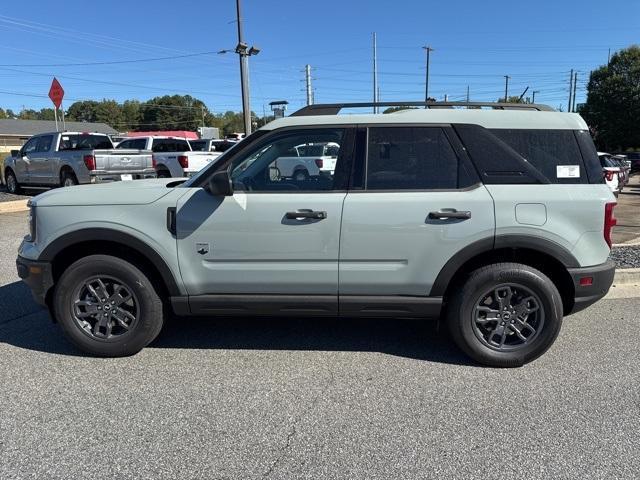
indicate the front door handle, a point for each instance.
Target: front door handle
{"x":305,"y":213}
{"x":446,"y":213}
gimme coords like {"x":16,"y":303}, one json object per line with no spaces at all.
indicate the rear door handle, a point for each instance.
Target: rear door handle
{"x":305,"y":213}
{"x":446,"y":213}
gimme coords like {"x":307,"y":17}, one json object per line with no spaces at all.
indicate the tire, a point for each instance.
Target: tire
{"x":84,"y":325}
{"x":300,"y":175}
{"x":12,"y":183}
{"x":164,"y":174}
{"x":517,"y":292}
{"x":68,"y":179}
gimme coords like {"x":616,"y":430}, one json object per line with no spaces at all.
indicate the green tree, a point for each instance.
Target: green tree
{"x":3,"y":114}
{"x":46,"y":114}
{"x":131,"y":115}
{"x":83,"y":111}
{"x":612,"y":108}
{"x":28,"y":114}
{"x":109,"y":112}
{"x":172,"y":112}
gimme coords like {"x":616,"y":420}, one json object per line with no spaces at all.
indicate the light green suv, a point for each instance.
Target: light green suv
{"x":494,"y":217}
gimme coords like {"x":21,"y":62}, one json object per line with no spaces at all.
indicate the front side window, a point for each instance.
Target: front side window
{"x":411,"y":158}
{"x":30,"y":146}
{"x":282,"y":164}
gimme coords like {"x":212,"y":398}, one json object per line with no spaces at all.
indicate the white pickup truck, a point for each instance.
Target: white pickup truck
{"x":308,"y":160}
{"x":172,"y":157}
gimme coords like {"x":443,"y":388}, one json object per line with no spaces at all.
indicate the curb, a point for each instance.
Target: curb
{"x":627,"y":276}
{"x":14,"y":206}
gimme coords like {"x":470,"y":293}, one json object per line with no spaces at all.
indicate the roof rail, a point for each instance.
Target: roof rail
{"x":334,"y":108}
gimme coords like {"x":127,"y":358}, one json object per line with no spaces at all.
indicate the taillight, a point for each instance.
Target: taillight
{"x":90,"y":162}
{"x":608,"y":175}
{"x":154,"y":162}
{"x":609,"y":222}
{"x":183,"y":160}
{"x":319,"y":162}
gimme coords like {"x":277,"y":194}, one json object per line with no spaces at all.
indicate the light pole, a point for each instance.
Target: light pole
{"x":533,"y":96}
{"x":427,"y":49}
{"x":506,"y":88}
{"x":244,"y":52}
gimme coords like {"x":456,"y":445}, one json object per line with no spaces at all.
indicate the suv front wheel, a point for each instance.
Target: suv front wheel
{"x":107,"y":306}
{"x":505,"y":314}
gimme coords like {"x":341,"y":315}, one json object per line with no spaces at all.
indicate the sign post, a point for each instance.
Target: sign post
{"x":56,"y":94}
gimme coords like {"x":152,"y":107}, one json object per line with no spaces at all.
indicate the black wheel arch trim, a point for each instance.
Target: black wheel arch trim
{"x":114,"y":236}
{"x":486,"y":245}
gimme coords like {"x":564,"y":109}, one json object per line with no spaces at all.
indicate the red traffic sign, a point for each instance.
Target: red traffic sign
{"x":56,"y":92}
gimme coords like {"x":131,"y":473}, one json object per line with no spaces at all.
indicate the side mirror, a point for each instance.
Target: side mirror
{"x":220,"y":184}
{"x":15,"y":153}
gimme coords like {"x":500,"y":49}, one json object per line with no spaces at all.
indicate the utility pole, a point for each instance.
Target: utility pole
{"x":427,"y":49}
{"x":506,"y":88}
{"x":244,"y":67}
{"x":570,"y":90}
{"x":467,"y":93}
{"x":575,"y":83}
{"x":307,"y":75}
{"x":533,"y":96}
{"x":609,"y":57}
{"x":375,"y":72}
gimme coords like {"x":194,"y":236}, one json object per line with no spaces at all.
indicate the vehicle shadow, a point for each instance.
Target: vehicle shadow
{"x":26,"y":325}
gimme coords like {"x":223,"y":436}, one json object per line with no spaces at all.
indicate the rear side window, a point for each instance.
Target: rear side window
{"x":170,"y":145}
{"x":199,"y":146}
{"x":554,"y":153}
{"x":412,"y":158}
{"x":589,"y":156}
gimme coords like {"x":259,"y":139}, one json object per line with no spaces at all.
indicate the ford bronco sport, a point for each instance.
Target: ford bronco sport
{"x":495,"y":218}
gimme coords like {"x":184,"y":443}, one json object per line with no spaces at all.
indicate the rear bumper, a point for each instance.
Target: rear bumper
{"x":38,"y":277}
{"x":104,"y":177}
{"x":601,"y":280}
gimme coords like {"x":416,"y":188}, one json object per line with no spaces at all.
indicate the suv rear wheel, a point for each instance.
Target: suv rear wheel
{"x":107,"y":306}
{"x":505,"y":314}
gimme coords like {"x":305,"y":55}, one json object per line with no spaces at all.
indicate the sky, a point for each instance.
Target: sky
{"x":476,"y":43}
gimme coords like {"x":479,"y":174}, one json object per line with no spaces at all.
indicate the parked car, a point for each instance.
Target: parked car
{"x":625,"y":167}
{"x":234,"y":136}
{"x":612,"y":172}
{"x":211,"y":145}
{"x":634,"y":160}
{"x":70,"y":158}
{"x":497,"y":221}
{"x":172,"y":157}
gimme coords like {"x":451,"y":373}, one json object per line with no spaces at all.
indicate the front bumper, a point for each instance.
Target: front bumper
{"x":37,"y":275}
{"x":601,"y":280}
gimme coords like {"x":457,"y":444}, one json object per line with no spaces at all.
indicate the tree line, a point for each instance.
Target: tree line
{"x":169,"y":112}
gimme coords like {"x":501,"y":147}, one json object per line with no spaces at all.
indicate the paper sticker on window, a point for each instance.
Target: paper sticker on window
{"x":568,"y":171}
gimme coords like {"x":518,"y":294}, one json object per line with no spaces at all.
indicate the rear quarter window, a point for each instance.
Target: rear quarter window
{"x":554,"y":153}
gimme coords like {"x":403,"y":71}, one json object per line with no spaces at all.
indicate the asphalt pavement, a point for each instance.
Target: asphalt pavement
{"x":298,"y":398}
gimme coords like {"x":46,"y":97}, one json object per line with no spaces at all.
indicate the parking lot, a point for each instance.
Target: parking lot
{"x":294,"y":398}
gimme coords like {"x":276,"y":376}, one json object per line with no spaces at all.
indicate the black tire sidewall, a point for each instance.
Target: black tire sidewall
{"x":15,"y":182}
{"x":150,"y":319}
{"x":461,"y":313}
{"x":70,"y":176}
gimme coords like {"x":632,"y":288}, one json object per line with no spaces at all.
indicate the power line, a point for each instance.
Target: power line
{"x":115,"y":62}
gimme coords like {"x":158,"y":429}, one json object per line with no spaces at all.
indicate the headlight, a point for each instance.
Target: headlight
{"x":31,"y":219}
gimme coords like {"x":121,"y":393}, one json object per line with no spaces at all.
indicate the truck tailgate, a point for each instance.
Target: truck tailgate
{"x":123,"y":160}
